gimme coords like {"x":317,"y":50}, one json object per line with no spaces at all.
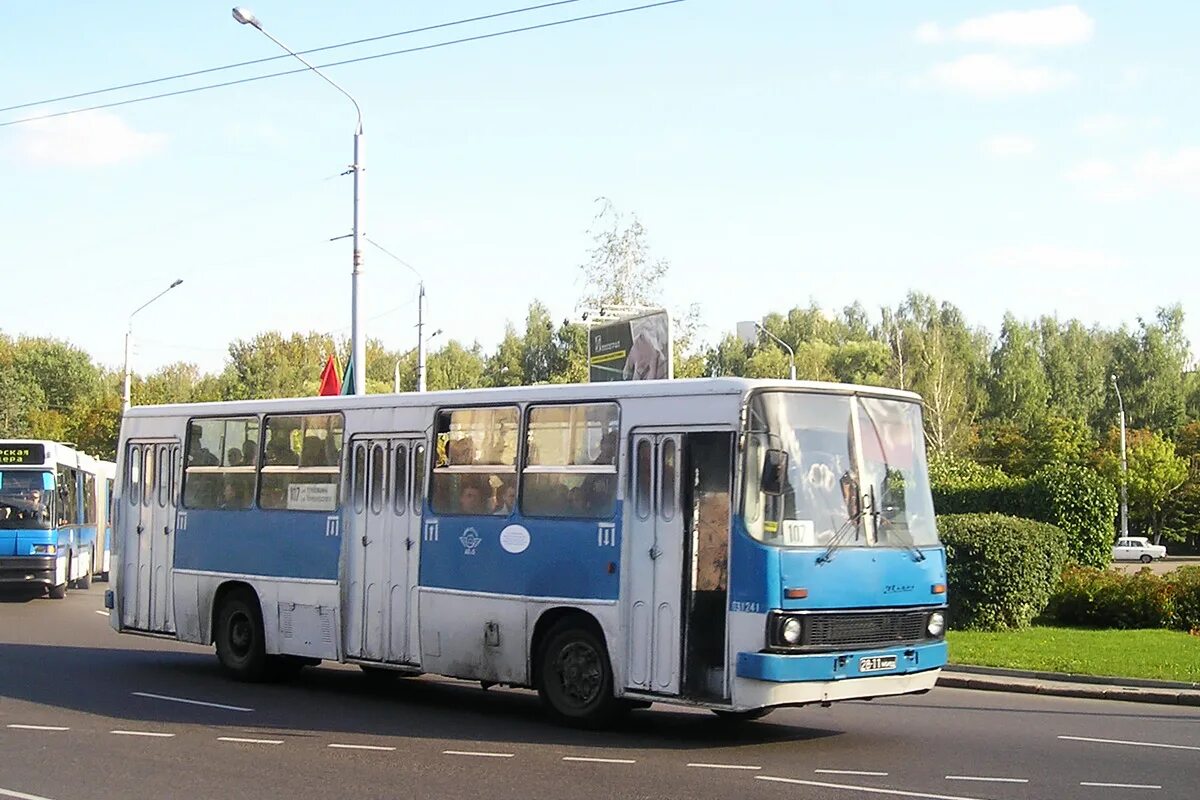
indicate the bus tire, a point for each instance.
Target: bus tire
{"x":86,"y":581}
{"x":575,"y":678}
{"x":240,"y":639}
{"x":58,"y":592}
{"x":742,"y":716}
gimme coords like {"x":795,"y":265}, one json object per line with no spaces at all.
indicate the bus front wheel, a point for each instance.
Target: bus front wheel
{"x":241,"y":645}
{"x":575,"y":677}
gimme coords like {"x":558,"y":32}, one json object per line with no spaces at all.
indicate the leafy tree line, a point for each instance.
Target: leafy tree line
{"x":1037,"y":392}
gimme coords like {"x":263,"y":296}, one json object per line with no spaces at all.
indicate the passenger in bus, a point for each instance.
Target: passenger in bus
{"x":198,"y":454}
{"x":235,"y":457}
{"x":280,"y":451}
{"x":249,"y":451}
{"x":312,"y":454}
{"x":472,"y":495}
{"x":506,"y":498}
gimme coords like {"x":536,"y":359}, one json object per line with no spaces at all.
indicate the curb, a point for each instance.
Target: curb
{"x":1061,"y":688}
{"x":1071,"y":677}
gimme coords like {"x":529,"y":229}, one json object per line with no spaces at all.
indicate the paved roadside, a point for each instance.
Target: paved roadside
{"x":1046,"y":683}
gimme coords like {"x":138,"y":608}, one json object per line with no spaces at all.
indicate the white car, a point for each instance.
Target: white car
{"x":1137,"y":548}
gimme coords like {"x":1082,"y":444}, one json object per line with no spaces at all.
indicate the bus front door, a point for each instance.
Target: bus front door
{"x":381,"y":550}
{"x":656,"y":531}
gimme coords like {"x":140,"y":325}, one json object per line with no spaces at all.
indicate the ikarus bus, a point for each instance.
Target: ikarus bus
{"x":731,"y":544}
{"x":54,"y":516}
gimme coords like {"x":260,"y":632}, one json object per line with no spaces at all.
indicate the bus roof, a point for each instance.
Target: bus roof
{"x":614,"y":390}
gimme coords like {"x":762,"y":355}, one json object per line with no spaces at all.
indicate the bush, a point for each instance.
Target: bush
{"x":1075,"y":499}
{"x":1107,"y":599}
{"x":1185,"y":585}
{"x":1000,"y":570}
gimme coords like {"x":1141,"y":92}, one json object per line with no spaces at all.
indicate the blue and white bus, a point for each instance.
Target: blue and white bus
{"x":54,"y":516}
{"x":724,"y":543}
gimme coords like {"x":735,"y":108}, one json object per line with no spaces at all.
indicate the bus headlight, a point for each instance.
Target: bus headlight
{"x":790,"y":631}
{"x":937,"y":624}
{"x":45,"y":549}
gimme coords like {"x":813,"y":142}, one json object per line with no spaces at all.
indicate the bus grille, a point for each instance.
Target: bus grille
{"x":854,"y":630}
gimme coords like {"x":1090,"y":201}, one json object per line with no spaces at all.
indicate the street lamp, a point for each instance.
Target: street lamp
{"x":1124,"y":465}
{"x":358,"y":348}
{"x":420,"y":366}
{"x":748,"y":333}
{"x":129,"y":336}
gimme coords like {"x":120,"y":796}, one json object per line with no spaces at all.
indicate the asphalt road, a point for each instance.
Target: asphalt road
{"x":85,"y":713}
{"x":1168,"y":564}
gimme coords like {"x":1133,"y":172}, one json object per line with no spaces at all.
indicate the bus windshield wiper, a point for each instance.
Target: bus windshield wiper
{"x":851,"y":524}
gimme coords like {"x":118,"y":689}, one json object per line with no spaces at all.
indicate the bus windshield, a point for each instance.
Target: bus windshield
{"x":855,"y":472}
{"x":24,"y":500}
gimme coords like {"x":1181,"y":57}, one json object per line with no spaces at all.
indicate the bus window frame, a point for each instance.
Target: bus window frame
{"x":262,"y":469}
{"x":477,"y":469}
{"x":179,"y":482}
{"x":523,"y":465}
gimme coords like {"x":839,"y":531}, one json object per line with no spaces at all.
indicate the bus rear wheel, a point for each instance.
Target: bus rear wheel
{"x":575,"y":678}
{"x":58,"y":592}
{"x":742,"y":716}
{"x":241,"y":643}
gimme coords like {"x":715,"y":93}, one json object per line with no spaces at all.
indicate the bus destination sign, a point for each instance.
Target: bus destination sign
{"x":22,"y":454}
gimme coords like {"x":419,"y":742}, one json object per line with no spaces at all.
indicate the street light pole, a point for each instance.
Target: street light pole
{"x":1124,"y":465}
{"x":420,"y":367}
{"x":129,"y":336}
{"x":358,"y":347}
{"x":784,"y":345}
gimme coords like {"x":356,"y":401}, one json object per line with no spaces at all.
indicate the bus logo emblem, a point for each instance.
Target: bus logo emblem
{"x":181,"y":521}
{"x":431,"y":531}
{"x":606,"y":534}
{"x":470,"y":540}
{"x":331,"y":526}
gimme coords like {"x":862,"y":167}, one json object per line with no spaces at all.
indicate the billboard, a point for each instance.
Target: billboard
{"x":630,"y":349}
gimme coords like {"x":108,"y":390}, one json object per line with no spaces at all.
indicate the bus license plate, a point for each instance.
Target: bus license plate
{"x":876,"y":663}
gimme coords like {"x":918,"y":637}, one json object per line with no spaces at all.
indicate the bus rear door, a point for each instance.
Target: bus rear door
{"x":147,"y":525}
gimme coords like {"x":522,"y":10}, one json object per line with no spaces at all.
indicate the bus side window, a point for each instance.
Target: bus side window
{"x":643,"y":469}
{"x":301,"y":462}
{"x":418,"y":492}
{"x":148,"y":474}
{"x":378,"y":478}
{"x":667,"y":508}
{"x":359,"y":478}
{"x":133,"y":483}
{"x":475,"y":460}
{"x":400,"y":479}
{"x":570,"y":465}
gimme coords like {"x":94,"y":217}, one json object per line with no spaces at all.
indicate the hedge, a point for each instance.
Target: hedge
{"x":1109,"y":599}
{"x":1075,"y":499}
{"x":1000,"y":570}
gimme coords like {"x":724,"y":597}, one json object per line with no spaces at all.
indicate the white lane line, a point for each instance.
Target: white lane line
{"x":248,"y":741}
{"x":1135,"y":744}
{"x":851,"y":772}
{"x":478,"y":753}
{"x":21,"y":795}
{"x":102,"y":613}
{"x":189,"y":702}
{"x":1120,"y":785}
{"x":985,"y":780}
{"x":867,"y":789}
{"x":600,"y":760}
{"x":723,"y":766}
{"x":144,"y":733}
{"x":37,"y":727}
{"x":361,"y":747}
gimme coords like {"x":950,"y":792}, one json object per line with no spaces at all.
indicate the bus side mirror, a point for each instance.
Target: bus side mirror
{"x":774,"y":473}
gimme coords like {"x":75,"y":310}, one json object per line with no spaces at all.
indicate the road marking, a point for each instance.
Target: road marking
{"x":143,"y":733}
{"x":600,"y":760}
{"x":360,"y":747}
{"x":1135,"y":744}
{"x":1120,"y":785}
{"x":189,"y":702}
{"x":248,"y":741}
{"x":21,"y":795}
{"x":476,"y":753}
{"x":724,"y":766}
{"x":851,"y":772}
{"x":868,"y":789}
{"x":985,"y":780}
{"x":37,"y":727}
{"x":102,"y":613}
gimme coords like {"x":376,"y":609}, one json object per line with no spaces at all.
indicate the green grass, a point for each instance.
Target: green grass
{"x":1158,"y":654}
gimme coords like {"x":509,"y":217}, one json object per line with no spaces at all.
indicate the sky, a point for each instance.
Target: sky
{"x":1033,"y":158}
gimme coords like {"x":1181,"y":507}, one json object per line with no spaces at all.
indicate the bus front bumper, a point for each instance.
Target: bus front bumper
{"x":777,"y":679}
{"x":28,"y":570}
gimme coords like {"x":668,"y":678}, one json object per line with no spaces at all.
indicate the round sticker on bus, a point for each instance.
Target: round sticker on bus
{"x":515,"y":538}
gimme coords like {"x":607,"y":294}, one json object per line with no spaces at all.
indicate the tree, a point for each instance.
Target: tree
{"x":1076,"y":362}
{"x":1155,"y":473}
{"x":271,"y":366}
{"x":1019,"y":390}
{"x":619,"y":271}
{"x":1149,"y":365}
{"x":455,"y":367}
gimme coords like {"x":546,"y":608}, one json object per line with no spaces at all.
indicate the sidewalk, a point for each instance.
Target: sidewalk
{"x":1087,"y":686}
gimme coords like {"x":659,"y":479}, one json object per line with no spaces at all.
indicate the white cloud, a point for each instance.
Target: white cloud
{"x":1052,"y":258}
{"x":992,"y":75}
{"x":96,"y":138}
{"x":1046,"y":27}
{"x":1009,"y":145}
{"x":1152,"y":172}
{"x":1116,"y":125}
{"x":1091,"y":171}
